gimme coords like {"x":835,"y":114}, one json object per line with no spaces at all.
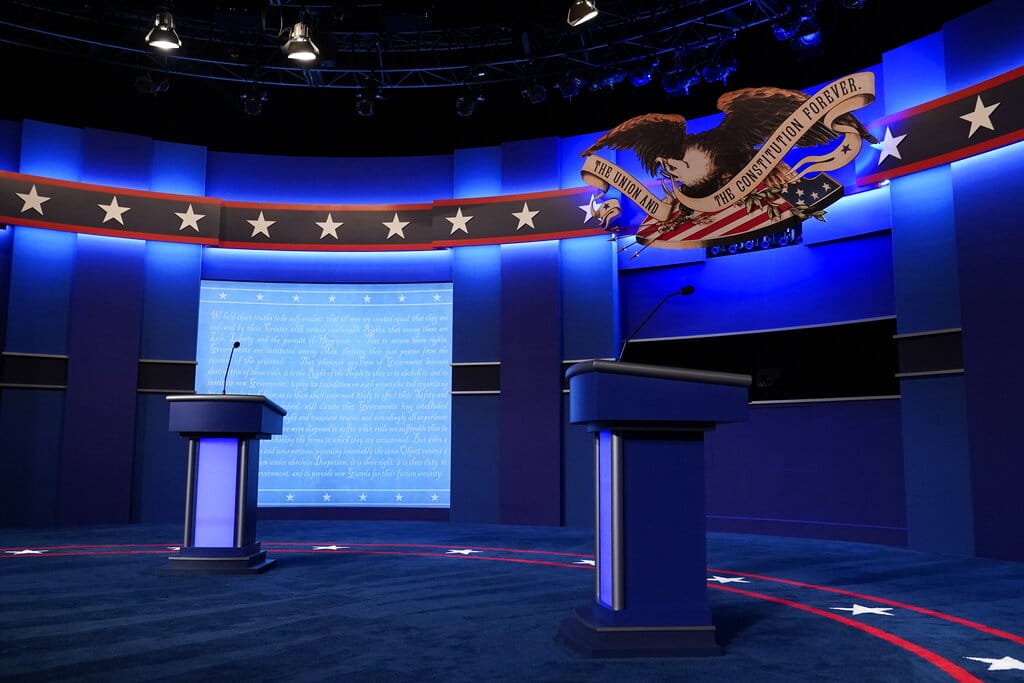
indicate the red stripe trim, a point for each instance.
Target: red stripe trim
{"x":932,"y":658}
{"x":108,"y":232}
{"x":328,"y":207}
{"x":946,"y":158}
{"x":327,"y":247}
{"x":951,"y":97}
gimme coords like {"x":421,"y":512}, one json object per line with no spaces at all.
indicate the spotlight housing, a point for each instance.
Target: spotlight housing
{"x":300,"y":46}
{"x":163,"y":35}
{"x":581,"y":11}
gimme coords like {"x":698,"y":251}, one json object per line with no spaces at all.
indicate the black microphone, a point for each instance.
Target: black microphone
{"x":685,"y":290}
{"x":228,"y":368}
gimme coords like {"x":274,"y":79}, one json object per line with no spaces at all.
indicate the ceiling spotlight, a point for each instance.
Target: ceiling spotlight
{"x":581,"y":11}
{"x":534,"y":93}
{"x":163,"y":35}
{"x":466,"y":103}
{"x":570,"y":87}
{"x":253,"y":100}
{"x":367,"y":97}
{"x":300,"y":46}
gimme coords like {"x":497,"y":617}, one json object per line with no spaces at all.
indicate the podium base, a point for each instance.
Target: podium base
{"x":580,"y":633}
{"x":247,"y":564}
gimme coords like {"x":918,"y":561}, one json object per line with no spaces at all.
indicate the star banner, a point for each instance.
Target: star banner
{"x":968,"y":122}
{"x":78,"y":207}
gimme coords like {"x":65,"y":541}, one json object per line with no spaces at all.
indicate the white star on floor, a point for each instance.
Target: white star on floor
{"x":861,"y":609}
{"x":525,"y":217}
{"x":396,"y":227}
{"x":464,"y":551}
{"x":26,"y":551}
{"x":260,"y":226}
{"x":1002,"y":664}
{"x":329,"y":227}
{"x":112,"y":211}
{"x":981,"y":117}
{"x":330,"y":547}
{"x":727,"y":579}
{"x":190,"y":219}
{"x":32,"y":200}
{"x":589,"y":563}
{"x":889,"y":146}
{"x":459,"y":222}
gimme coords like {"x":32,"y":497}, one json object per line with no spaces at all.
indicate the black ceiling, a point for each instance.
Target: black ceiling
{"x":85,"y":64}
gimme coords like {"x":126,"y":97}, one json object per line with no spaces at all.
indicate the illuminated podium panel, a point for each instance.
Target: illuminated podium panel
{"x":223,"y":433}
{"x":650,"y":593}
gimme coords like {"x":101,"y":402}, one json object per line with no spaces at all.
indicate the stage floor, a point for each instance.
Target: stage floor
{"x":436,"y":601}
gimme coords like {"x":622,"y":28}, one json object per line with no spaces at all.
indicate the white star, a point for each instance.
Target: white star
{"x":295,"y":298}
{"x":222,"y":295}
{"x":464,"y":551}
{"x":589,"y":563}
{"x":981,"y":117}
{"x":366,"y":299}
{"x":260,"y":226}
{"x":32,"y":200}
{"x":1003,"y":664}
{"x":327,"y":497}
{"x":190,"y":219}
{"x":401,"y":298}
{"x":434,"y":497}
{"x":889,"y":146}
{"x":459,"y":222}
{"x":331,"y":298}
{"x":259,"y":297}
{"x":290,"y":497}
{"x":589,"y":208}
{"x":437,"y":297}
{"x":728,"y":579}
{"x":113,"y":212}
{"x":396,"y":227}
{"x":861,"y":609}
{"x":526,"y":217}
{"x":330,"y":547}
{"x":26,"y":551}
{"x":329,"y":227}
{"x":398,"y":497}
{"x":362,"y":496}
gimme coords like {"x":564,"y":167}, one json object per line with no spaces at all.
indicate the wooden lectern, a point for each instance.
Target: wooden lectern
{"x":650,"y":594}
{"x":223,"y":432}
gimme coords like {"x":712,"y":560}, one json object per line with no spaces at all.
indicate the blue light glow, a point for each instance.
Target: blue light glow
{"x":216,"y":474}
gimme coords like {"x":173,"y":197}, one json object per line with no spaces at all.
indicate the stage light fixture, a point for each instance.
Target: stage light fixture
{"x":534,"y":93}
{"x":570,"y":87}
{"x":300,"y":46}
{"x":581,"y":11}
{"x":467,"y":102}
{"x":163,"y":35}
{"x":253,"y":100}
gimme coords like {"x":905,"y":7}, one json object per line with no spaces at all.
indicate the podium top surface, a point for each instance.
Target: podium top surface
{"x":228,"y":398}
{"x":658,"y":372}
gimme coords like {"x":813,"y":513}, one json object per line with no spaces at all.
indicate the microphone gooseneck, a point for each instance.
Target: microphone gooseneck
{"x":684,"y":291}
{"x":231,"y":355}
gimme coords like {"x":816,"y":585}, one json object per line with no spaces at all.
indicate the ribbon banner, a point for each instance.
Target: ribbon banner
{"x":666,"y":214}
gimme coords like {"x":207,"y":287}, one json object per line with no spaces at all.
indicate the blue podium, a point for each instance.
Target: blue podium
{"x":650,"y":593}
{"x":223,"y":432}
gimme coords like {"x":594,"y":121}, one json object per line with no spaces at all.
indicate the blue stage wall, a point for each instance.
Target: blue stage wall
{"x":873,"y":470}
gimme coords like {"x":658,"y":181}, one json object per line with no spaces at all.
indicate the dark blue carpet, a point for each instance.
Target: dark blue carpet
{"x":407,"y":601}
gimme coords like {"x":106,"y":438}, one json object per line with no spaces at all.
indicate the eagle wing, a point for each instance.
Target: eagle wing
{"x":752,"y":114}
{"x":650,"y":136}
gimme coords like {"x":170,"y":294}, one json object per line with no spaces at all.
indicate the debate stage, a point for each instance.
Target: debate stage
{"x":436,"y":601}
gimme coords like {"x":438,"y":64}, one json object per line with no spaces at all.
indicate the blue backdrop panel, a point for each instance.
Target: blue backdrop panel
{"x":51,"y":151}
{"x":983,"y":43}
{"x":116,"y":159}
{"x":40,"y":291}
{"x":476,"y":464}
{"x":99,"y":417}
{"x":854,"y":215}
{"x":30,"y":433}
{"x":178,"y":169}
{"x":315,"y":180}
{"x":569,"y":160}
{"x":529,"y":166}
{"x":531,"y":384}
{"x":302,"y":266}
{"x":476,"y":281}
{"x":577,"y":472}
{"x":938,"y":474}
{"x":477,"y":172}
{"x":820,"y":470}
{"x":10,"y":145}
{"x":777,"y":288}
{"x":992,"y":301}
